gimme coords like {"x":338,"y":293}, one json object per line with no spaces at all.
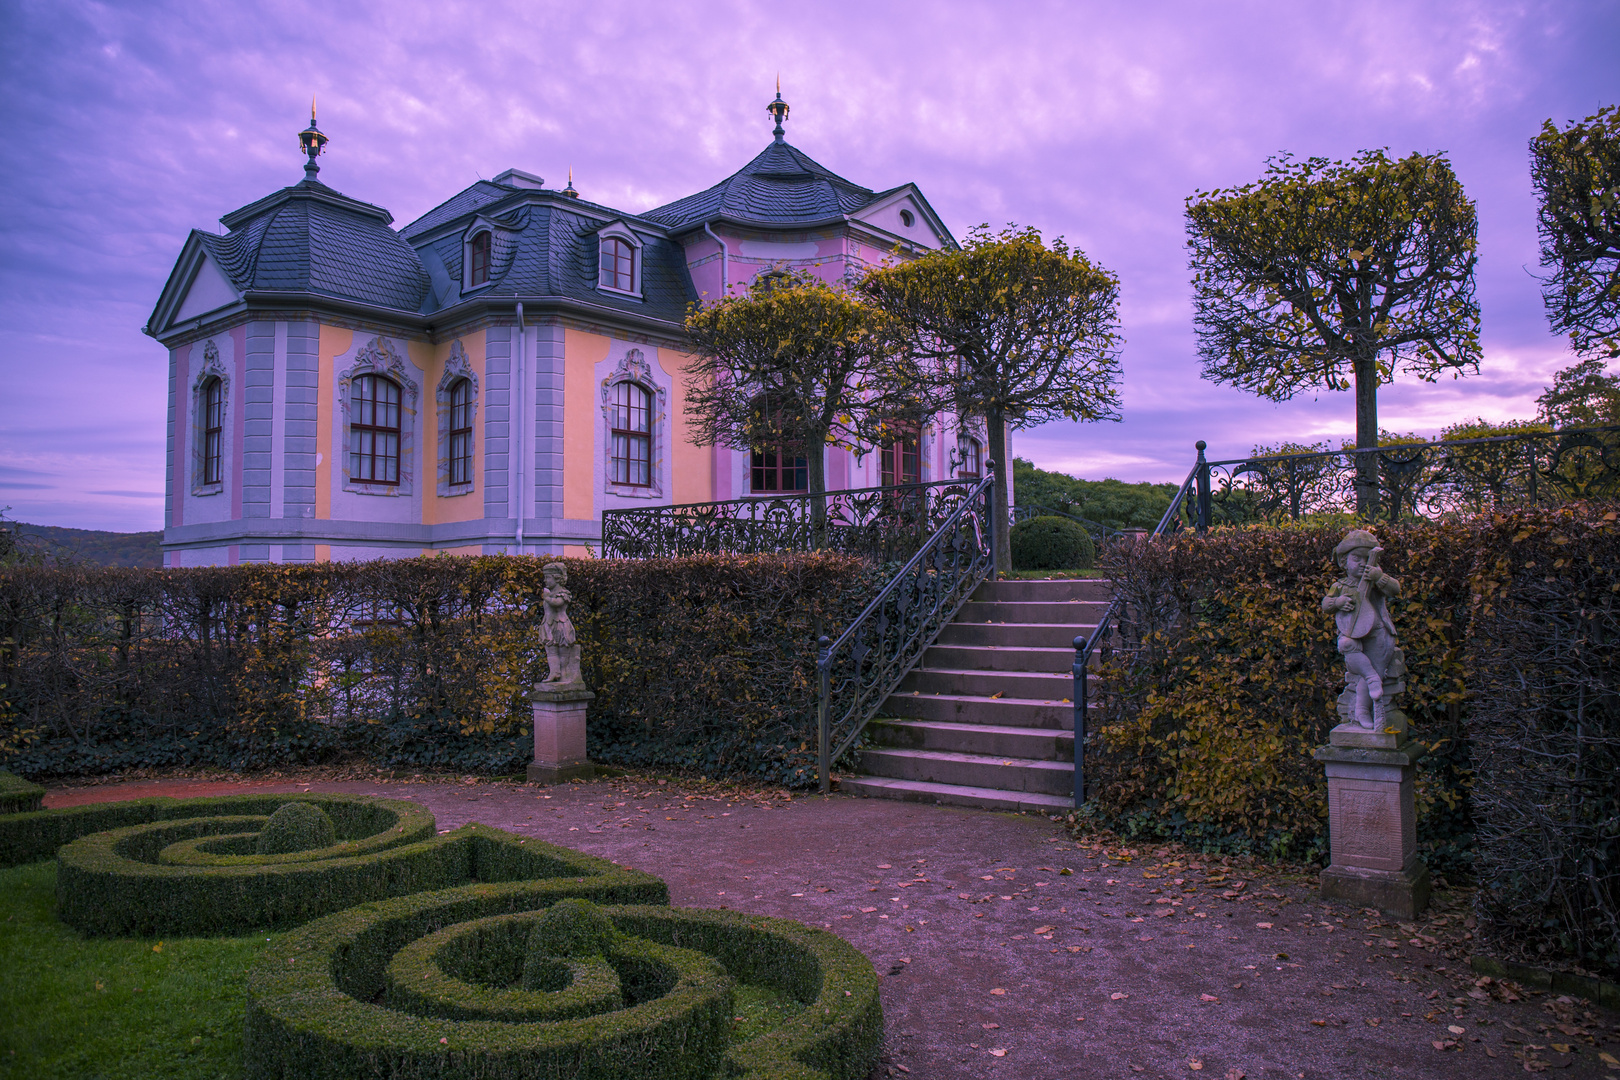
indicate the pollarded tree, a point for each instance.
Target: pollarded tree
{"x":1324,"y":275}
{"x":1010,"y":329}
{"x":795,"y":363}
{"x":1576,"y":173}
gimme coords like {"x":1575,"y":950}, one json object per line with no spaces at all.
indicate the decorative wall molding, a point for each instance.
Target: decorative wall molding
{"x":633,"y":367}
{"x":457,"y":367}
{"x":211,"y":368}
{"x":378,"y":357}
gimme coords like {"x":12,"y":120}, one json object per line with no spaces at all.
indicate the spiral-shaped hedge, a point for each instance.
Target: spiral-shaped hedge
{"x":190,"y":867}
{"x":434,"y":986}
{"x":477,"y":953}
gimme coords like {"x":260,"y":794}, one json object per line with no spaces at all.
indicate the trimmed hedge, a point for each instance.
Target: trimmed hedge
{"x":703,"y":663}
{"x":309,"y":1012}
{"x":159,"y":876}
{"x":296,"y":826}
{"x":1052,"y":543}
{"x":18,"y":796}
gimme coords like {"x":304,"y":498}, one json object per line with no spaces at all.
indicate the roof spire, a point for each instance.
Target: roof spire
{"x":312,"y":140}
{"x":778,"y":109}
{"x":569,"y":190}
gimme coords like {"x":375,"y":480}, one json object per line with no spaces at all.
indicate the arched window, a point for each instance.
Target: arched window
{"x":478,"y":260}
{"x":374,"y":430}
{"x":969,"y":456}
{"x":900,"y":456}
{"x":618,"y":265}
{"x":631,"y":460}
{"x":213,"y":397}
{"x":461,"y":432}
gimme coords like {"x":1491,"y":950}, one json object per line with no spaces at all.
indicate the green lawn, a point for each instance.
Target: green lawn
{"x":108,"y":1009}
{"x":127,"y":1009}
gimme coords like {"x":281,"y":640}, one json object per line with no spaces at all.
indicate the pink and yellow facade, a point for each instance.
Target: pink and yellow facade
{"x":492,"y":376}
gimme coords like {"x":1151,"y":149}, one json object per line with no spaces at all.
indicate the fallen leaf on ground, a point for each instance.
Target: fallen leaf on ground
{"x":1117,"y":996}
{"x":1263,"y":925}
{"x":1455,"y":1030}
{"x":1195,"y":1064}
{"x":998,"y":1053}
{"x":1208,"y":997}
{"x":1043,"y":929}
{"x":989,"y":1027}
{"x":999,"y":990}
{"x":1235,"y":1074}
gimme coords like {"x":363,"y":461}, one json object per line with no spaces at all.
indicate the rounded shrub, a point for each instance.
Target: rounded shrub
{"x":572,"y":928}
{"x":1052,"y":543}
{"x":297,"y":826}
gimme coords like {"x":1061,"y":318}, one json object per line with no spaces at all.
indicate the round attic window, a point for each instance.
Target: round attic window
{"x":907,"y":218}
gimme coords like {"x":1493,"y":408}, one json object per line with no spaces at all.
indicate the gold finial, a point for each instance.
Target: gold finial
{"x":778,"y":109}
{"x":569,"y":190}
{"x":312,"y":140}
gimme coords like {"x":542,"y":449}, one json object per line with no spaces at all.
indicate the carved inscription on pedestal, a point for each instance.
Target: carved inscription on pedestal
{"x":1366,"y":824}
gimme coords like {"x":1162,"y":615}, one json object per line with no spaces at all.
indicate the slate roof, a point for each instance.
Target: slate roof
{"x":310,"y":238}
{"x":781,"y":186}
{"x":471,"y":200}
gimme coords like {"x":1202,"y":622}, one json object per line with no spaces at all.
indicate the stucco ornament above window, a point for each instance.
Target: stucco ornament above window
{"x":378,"y":357}
{"x":634,"y":369}
{"x":210,"y":369}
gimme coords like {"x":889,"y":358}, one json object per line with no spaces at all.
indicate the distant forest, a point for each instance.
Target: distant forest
{"x":92,"y":547}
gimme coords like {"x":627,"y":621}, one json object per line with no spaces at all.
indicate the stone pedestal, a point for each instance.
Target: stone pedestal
{"x":1372,"y":822}
{"x":559,"y":733}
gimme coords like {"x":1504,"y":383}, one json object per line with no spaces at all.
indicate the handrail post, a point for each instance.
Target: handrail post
{"x":990,"y":516}
{"x":823,"y":732}
{"x":1081,"y":690}
{"x":1203,"y":489}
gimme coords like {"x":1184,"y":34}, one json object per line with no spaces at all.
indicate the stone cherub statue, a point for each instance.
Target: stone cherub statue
{"x":557,"y":631}
{"x":1374,"y":665}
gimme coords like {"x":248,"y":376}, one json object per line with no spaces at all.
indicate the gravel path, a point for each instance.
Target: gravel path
{"x":996,"y":962}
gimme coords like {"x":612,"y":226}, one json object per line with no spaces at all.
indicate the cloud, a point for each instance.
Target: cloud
{"x":140,"y":122}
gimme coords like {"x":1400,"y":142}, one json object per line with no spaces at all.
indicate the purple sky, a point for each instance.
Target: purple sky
{"x":131,"y":124}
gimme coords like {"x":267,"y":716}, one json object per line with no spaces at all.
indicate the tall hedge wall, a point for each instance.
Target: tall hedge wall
{"x":704,"y":663}
{"x":1228,"y":672}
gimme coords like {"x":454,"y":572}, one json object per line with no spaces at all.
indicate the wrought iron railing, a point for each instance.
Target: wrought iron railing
{"x":1100,"y":533}
{"x":884,"y":523}
{"x":1411,"y":480}
{"x":859,"y":670}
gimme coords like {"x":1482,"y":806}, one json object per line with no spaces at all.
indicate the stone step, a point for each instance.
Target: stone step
{"x":977,"y":709}
{"x":923,"y":791}
{"x":995,"y":740}
{"x":999,"y":658}
{"x":970,"y":770}
{"x":1020,"y":635}
{"x":1070,"y":612}
{"x":1042,"y":686}
{"x":1095,"y":589}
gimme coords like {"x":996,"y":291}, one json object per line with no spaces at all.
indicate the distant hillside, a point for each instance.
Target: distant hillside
{"x":92,"y":546}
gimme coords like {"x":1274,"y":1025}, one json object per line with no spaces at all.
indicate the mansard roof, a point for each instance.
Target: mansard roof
{"x":782,"y":186}
{"x":310,"y":238}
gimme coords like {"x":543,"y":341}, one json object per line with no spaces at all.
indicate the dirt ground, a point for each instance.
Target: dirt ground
{"x":1008,"y":950}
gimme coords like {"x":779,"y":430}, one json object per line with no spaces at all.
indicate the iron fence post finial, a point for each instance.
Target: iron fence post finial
{"x":1203,"y":488}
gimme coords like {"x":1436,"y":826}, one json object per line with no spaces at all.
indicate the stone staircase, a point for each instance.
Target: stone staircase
{"x":986,"y":719}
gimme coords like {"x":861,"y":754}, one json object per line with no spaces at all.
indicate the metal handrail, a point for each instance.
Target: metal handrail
{"x":936,"y":599}
{"x":879,"y":521}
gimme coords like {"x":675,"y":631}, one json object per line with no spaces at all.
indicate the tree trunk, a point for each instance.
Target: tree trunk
{"x":996,"y":422}
{"x":815,"y":462}
{"x":1366,"y":436}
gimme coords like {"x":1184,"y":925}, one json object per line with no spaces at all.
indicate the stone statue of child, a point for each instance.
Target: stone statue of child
{"x":1374,"y":664}
{"x":557,"y":630}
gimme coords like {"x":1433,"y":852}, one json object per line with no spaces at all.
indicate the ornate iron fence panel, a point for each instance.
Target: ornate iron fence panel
{"x":884,"y":523}
{"x":857,"y":672}
{"x":1429,"y":480}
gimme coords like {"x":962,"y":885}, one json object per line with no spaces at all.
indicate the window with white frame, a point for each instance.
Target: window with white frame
{"x":461,"y":432}
{"x":630,"y":462}
{"x":618,"y":260}
{"x":374,"y":430}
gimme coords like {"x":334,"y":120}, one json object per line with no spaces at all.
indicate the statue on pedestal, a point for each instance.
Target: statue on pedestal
{"x":557,"y":631}
{"x":1374,"y":665}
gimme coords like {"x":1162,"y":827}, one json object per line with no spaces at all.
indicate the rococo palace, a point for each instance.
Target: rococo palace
{"x":496,"y":374}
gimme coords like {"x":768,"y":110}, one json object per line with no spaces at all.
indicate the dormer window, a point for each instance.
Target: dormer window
{"x":618,"y":265}
{"x":478,"y":260}
{"x":618,"y":262}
